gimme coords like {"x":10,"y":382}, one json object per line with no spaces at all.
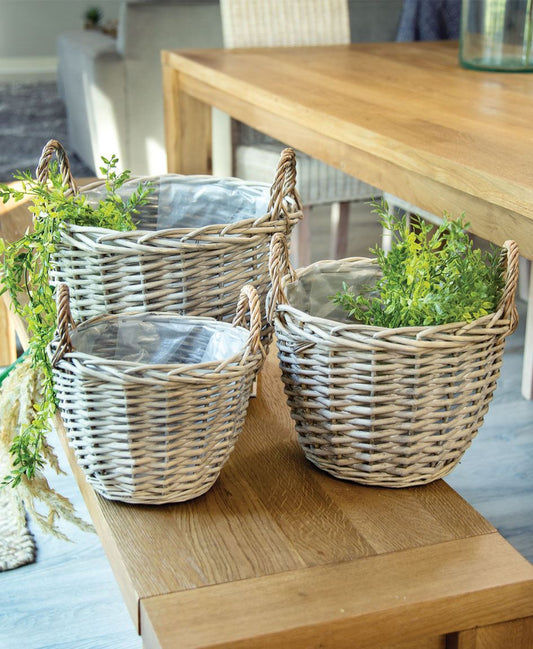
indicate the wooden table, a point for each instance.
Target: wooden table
{"x":404,"y":117}
{"x":279,"y":554}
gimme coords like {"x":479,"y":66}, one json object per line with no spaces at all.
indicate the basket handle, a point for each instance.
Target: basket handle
{"x":64,"y":324}
{"x":284,"y":186}
{"x":507,"y":301}
{"x":279,"y":265}
{"x":249,"y":301}
{"x":43,"y":168}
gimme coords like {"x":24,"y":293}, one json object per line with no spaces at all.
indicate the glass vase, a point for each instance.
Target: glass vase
{"x":496,"y":35}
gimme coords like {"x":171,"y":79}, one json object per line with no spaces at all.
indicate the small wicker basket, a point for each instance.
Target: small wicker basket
{"x":186,"y":270}
{"x":150,"y":432}
{"x":385,"y":407}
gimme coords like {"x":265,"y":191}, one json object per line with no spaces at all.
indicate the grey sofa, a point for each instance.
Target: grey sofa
{"x":112,"y":87}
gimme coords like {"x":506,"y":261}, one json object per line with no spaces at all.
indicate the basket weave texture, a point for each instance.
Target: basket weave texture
{"x":189,"y":271}
{"x":387,"y":407}
{"x":154,"y":434}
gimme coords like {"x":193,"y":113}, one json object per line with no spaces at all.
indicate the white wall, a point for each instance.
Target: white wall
{"x":29,"y":28}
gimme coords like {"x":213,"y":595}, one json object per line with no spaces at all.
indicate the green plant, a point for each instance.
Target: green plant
{"x":93,"y":16}
{"x":25,"y":267}
{"x":429,"y":276}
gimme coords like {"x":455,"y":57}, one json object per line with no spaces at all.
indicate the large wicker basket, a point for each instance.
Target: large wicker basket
{"x":388,"y":407}
{"x":150,"y":432}
{"x":186,"y":270}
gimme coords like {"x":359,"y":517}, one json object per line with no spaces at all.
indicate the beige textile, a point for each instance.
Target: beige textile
{"x":256,"y":23}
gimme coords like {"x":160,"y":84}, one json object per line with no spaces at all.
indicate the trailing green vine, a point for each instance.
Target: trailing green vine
{"x":25,"y":269}
{"x":430,"y":276}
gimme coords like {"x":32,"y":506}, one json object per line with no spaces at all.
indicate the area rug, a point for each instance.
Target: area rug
{"x":30,"y":115}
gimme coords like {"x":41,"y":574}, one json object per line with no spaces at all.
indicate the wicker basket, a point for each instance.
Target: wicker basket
{"x":186,"y":270}
{"x":388,"y":407}
{"x":154,"y":433}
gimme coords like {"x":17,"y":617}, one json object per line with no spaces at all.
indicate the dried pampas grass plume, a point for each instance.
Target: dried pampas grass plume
{"x":20,"y":390}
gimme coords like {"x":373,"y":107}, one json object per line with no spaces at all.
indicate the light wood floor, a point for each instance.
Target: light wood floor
{"x":68,"y":599}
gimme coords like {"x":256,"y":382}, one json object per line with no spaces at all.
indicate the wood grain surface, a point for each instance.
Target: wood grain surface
{"x":273,"y":525}
{"x":270,"y":511}
{"x":371,"y":602}
{"x":404,"y":117}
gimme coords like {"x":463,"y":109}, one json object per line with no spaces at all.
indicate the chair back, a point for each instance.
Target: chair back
{"x":284,"y":23}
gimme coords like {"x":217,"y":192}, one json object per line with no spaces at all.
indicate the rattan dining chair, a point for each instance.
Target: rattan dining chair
{"x":281,"y":23}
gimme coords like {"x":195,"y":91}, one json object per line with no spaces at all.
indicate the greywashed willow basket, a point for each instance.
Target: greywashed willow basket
{"x":186,"y":270}
{"x":154,"y":433}
{"x":377,"y":406}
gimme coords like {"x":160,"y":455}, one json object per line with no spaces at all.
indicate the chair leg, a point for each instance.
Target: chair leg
{"x":340,"y":225}
{"x":527,"y":368}
{"x":523,"y":278}
{"x":221,"y":144}
{"x":386,"y":235}
{"x":302,"y":253}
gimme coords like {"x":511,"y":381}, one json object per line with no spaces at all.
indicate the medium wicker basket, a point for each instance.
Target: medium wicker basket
{"x":154,"y":433}
{"x":186,"y":270}
{"x":385,"y":407}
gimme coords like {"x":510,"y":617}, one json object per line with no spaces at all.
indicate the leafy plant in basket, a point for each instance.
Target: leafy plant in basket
{"x":28,"y":397}
{"x":430,"y":276}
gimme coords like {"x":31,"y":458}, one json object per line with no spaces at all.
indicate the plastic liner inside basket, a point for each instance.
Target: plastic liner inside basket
{"x":194,"y":201}
{"x":159,"y":340}
{"x":312,"y":292}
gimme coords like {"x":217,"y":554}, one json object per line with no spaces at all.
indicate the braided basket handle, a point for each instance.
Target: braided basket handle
{"x":279,"y":265}
{"x":284,"y":186}
{"x":507,"y":301}
{"x":43,"y":168}
{"x":249,"y":301}
{"x":64,"y":324}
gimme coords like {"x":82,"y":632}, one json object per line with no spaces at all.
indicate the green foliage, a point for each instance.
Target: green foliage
{"x":25,"y":268}
{"x":428,"y":278}
{"x":93,"y":15}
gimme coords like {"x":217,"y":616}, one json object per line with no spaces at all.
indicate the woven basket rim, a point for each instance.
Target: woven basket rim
{"x":151,"y":373}
{"x":260,"y":225}
{"x":269,"y":218}
{"x":283,"y":211}
{"x":99,"y":182}
{"x":175,"y":368}
{"x":494,"y":319}
{"x":339,"y":327}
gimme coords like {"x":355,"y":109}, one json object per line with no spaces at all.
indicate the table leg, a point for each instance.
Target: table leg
{"x":517,"y":634}
{"x":187,"y":127}
{"x":222,"y":144}
{"x":527,"y":368}
{"x":340,"y":230}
